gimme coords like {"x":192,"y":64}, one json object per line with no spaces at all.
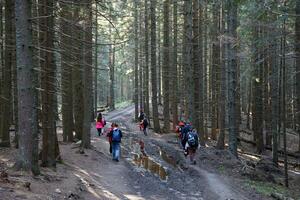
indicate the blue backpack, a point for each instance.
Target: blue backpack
{"x":192,"y":139}
{"x":116,"y":135}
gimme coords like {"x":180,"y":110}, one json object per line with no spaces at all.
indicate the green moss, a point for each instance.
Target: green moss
{"x":221,"y":168}
{"x":266,"y":188}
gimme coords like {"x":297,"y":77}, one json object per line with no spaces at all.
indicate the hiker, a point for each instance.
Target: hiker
{"x":184,"y":133}
{"x":144,"y":125}
{"x":178,"y":129}
{"x":109,"y":137}
{"x":192,"y":145}
{"x":100,"y":123}
{"x":116,"y":135}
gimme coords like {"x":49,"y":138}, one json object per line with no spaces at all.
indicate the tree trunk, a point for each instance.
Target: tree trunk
{"x":66,"y":74}
{"x":166,"y":67}
{"x":232,"y":82}
{"x":27,"y":81}
{"x":7,"y":74}
{"x":146,"y":66}
{"x":153,"y":67}
{"x":88,"y":76}
{"x":274,"y":98}
{"x":222,"y":99}
{"x":96,"y":62}
{"x":257,"y":94}
{"x":297,"y":42}
{"x":284,"y":103}
{"x":77,"y":76}
{"x":48,"y":78}
{"x":174,"y":83}
{"x":136,"y":61}
{"x":1,"y":63}
{"x":215,"y":71}
{"x":187,"y":62}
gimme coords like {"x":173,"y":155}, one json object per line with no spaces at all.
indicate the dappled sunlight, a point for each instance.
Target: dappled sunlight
{"x":102,"y":193}
{"x":133,"y":197}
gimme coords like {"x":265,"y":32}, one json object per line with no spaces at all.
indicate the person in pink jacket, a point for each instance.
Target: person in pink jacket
{"x":100,"y":123}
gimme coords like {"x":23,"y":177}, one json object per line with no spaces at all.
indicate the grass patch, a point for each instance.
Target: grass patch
{"x":266,"y":188}
{"x":221,"y":168}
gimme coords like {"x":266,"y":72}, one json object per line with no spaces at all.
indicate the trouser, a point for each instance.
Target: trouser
{"x":99,"y":131}
{"x":110,"y":147}
{"x":145,"y":130}
{"x":116,"y":150}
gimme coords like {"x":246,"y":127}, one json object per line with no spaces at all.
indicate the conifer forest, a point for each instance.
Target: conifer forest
{"x":150,"y":99}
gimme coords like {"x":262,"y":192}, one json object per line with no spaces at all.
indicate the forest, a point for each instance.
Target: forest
{"x":229,"y":69}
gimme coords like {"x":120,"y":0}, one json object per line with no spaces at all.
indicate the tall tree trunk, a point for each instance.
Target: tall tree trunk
{"x":141,"y":62}
{"x":153,"y":67}
{"x":96,"y":62}
{"x":88,"y":76}
{"x":7,"y":74}
{"x":1,"y":63}
{"x":77,"y":75}
{"x":274,"y":97}
{"x":27,"y":81}
{"x":66,"y":74}
{"x":136,"y":61}
{"x":146,"y":66}
{"x":205,"y":75}
{"x":174,"y":83}
{"x":159,"y":68}
{"x":48,"y":78}
{"x":222,"y":99}
{"x":232,"y":82}
{"x":166,"y":67}
{"x":284,"y":102}
{"x":187,"y":62}
{"x":257,"y":94}
{"x":215,"y":71}
{"x":297,"y":42}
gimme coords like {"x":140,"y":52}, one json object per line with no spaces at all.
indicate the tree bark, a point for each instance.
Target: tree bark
{"x":66,"y":74}
{"x":146,"y":66}
{"x":187,"y":60}
{"x":222,"y":99}
{"x":77,"y":75}
{"x":215,"y":72}
{"x":7,"y":74}
{"x":232,"y":82}
{"x":153,"y":67}
{"x":257,"y":93}
{"x":166,"y":67}
{"x":297,"y":42}
{"x":48,"y":78}
{"x":174,"y":84}
{"x":27,"y":81}
{"x":88,"y":76}
{"x":136,"y":62}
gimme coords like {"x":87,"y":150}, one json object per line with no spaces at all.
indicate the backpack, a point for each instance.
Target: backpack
{"x":116,"y":135}
{"x":192,"y":140}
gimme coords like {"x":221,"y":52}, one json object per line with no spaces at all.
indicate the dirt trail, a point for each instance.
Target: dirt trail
{"x":209,"y":185}
{"x":93,"y":175}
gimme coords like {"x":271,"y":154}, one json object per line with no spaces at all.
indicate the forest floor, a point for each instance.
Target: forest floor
{"x":163,"y":174}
